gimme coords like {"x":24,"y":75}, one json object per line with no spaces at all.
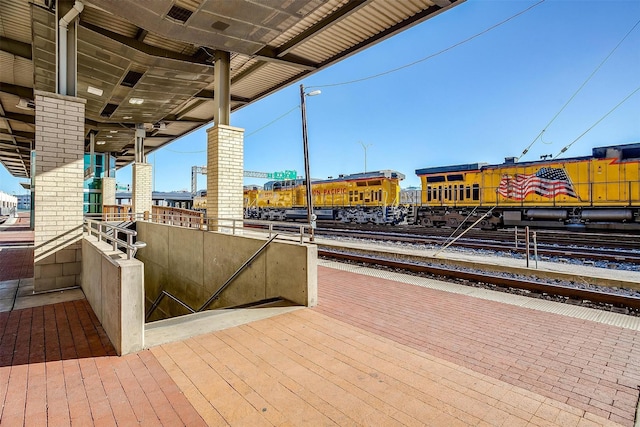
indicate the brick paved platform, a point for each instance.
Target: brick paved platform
{"x":374,"y":352}
{"x":15,"y":254}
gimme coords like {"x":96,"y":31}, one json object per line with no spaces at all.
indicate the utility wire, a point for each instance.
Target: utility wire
{"x":247,"y":135}
{"x":273,"y":121}
{"x":577,"y":91}
{"x":185,"y":152}
{"x":596,"y":123}
{"x":434,"y":54}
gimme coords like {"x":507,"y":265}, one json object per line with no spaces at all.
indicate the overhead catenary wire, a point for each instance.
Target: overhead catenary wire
{"x":596,"y":123}
{"x":526,"y":150}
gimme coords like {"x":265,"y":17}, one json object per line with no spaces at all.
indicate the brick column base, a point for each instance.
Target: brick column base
{"x":225,"y":165}
{"x":108,"y":191}
{"x":142,"y":187}
{"x":58,"y":195}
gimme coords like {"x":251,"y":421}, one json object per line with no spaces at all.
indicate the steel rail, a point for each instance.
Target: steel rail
{"x":599,"y":254}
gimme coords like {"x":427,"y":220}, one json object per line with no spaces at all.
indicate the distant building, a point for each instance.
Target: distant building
{"x":174,"y":199}
{"x":24,"y":202}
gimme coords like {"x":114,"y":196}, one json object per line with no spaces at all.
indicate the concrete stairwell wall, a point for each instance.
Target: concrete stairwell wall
{"x":192,"y":264}
{"x":113,"y":285}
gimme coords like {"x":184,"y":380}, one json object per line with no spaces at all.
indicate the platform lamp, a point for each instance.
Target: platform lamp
{"x":305,"y":145}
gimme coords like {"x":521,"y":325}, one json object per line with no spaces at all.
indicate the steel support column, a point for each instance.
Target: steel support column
{"x":222,"y":91}
{"x":67,"y":43}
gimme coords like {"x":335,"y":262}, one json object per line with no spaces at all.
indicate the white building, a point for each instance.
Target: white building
{"x":8,"y":204}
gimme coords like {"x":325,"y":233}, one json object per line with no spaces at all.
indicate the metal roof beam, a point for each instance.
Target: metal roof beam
{"x":16,"y":48}
{"x":21,"y":91}
{"x":24,"y":118}
{"x":4,"y":146}
{"x":407,"y":23}
{"x":143,"y":47}
{"x":335,"y":17}
{"x":30,"y":136}
{"x":270,"y":54}
{"x":209,"y":94}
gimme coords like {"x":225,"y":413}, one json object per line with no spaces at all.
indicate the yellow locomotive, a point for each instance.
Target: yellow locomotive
{"x":370,"y":197}
{"x":601,"y":191}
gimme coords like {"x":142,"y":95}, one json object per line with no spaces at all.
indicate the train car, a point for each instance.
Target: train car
{"x":601,"y":191}
{"x":371,"y":197}
{"x":200,"y":201}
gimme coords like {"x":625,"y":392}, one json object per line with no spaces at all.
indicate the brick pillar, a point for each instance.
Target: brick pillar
{"x":108,"y":191}
{"x":142,"y":187}
{"x":59,"y":177}
{"x":225,"y":165}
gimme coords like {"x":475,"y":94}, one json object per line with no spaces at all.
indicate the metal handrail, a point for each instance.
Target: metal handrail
{"x":236,"y":274}
{"x":109,"y":233}
{"x":230,"y":225}
{"x":216,"y":294}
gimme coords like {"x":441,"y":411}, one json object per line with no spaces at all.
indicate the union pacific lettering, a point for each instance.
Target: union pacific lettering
{"x":329,"y":191}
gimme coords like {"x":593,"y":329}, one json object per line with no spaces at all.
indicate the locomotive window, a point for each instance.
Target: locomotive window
{"x":380,"y":195}
{"x":468,"y":192}
{"x":361,"y":196}
{"x":440,"y":193}
{"x":439,"y":178}
{"x":361,"y":184}
{"x":446,"y":193}
{"x":461,"y":193}
{"x":376,"y":182}
{"x":428,"y":193}
{"x":455,"y":177}
{"x":476,"y":192}
{"x":451,"y":194}
{"x":630,"y":153}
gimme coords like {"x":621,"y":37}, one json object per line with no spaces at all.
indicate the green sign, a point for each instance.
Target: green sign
{"x":282,"y":175}
{"x":120,"y":187}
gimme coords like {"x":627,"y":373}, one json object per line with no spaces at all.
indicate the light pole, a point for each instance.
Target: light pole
{"x":305,"y":145}
{"x":365,"y":146}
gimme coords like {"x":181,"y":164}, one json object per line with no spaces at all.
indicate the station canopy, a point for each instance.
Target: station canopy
{"x":162,"y":52}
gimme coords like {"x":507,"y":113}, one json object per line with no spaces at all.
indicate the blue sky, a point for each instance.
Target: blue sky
{"x":480,"y":101}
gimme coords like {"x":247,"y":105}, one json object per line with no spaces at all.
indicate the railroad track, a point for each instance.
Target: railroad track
{"x":574,"y":293}
{"x":545,"y":250}
{"x":560,"y":237}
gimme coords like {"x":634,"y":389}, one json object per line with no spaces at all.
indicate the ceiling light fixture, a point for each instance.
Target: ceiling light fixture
{"x":115,"y":131}
{"x":95,"y":90}
{"x":26,"y":104}
{"x":127,"y":117}
{"x":136,"y":101}
{"x":101,"y":142}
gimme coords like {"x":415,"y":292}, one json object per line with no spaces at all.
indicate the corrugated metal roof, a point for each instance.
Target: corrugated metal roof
{"x":170,"y":44}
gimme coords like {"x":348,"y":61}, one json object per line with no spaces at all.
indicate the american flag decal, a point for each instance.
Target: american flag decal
{"x":547,"y":182}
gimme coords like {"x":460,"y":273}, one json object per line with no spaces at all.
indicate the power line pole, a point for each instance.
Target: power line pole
{"x":365,"y":146}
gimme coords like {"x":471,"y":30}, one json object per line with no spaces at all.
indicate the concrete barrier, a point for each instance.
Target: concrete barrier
{"x":192,"y":264}
{"x":113,"y":285}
